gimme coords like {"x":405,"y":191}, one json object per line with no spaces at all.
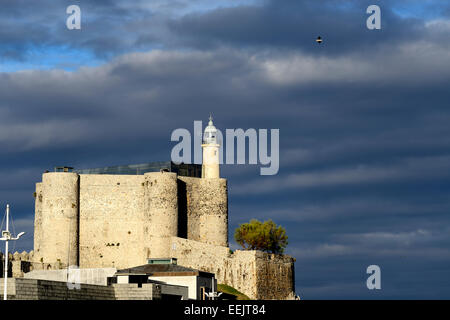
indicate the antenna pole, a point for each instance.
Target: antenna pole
{"x":213,"y":294}
{"x":6,"y":236}
{"x":5,"y":286}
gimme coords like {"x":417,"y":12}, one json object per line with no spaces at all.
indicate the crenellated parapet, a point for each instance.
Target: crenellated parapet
{"x":22,"y":262}
{"x":19,"y":256}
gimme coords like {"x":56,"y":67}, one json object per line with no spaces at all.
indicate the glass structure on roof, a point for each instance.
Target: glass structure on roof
{"x":187,"y":170}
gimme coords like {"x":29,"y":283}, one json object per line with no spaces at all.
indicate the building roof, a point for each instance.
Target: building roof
{"x":165,"y":270}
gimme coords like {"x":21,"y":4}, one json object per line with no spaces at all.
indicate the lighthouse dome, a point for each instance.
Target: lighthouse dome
{"x":210,"y":134}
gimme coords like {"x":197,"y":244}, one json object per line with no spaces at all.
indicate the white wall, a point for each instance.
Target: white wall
{"x":96,"y":276}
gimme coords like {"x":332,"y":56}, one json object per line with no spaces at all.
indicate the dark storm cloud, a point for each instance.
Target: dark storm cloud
{"x":34,"y":25}
{"x":115,"y":27}
{"x":364,"y":136}
{"x":295,"y":25}
{"x":155,"y":83}
{"x":108,"y":28}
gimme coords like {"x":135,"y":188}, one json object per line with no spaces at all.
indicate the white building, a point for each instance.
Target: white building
{"x":166,"y":271}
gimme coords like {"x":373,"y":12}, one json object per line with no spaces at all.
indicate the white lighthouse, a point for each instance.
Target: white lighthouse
{"x":210,"y":167}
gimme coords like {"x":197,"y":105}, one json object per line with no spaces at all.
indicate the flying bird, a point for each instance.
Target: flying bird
{"x":319,"y":40}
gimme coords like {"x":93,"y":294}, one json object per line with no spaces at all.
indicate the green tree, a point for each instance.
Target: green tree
{"x":264,"y":236}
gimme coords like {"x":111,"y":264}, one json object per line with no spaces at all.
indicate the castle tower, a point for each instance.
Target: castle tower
{"x":57,"y":207}
{"x":210,"y":167}
{"x":38,"y":221}
{"x":160,"y":212}
{"x":213,"y":217}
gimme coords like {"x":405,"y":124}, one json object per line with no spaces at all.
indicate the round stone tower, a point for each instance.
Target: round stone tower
{"x":38,"y":221}
{"x":213,"y":212}
{"x":161,"y":212}
{"x":59,"y":218}
{"x":210,"y":167}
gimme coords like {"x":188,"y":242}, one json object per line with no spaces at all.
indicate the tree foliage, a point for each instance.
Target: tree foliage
{"x":265,"y":236}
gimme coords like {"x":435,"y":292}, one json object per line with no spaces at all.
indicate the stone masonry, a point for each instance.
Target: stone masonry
{"x":258,"y":274}
{"x":120,"y":221}
{"x":33,"y":289}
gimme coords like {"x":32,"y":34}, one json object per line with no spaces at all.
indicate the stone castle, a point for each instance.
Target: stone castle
{"x":121,"y":221}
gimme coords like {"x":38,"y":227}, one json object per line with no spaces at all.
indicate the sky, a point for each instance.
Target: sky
{"x":364,"y":172}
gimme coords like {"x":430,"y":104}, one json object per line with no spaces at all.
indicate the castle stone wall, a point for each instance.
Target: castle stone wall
{"x":99,"y":220}
{"x":111,"y":221}
{"x":21,"y":263}
{"x":257,"y":274}
{"x":119,"y":221}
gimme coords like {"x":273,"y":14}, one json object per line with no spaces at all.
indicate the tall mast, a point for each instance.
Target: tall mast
{"x":6,"y":236}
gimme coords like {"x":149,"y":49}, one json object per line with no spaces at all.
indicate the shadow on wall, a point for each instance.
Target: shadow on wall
{"x":182,"y":209}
